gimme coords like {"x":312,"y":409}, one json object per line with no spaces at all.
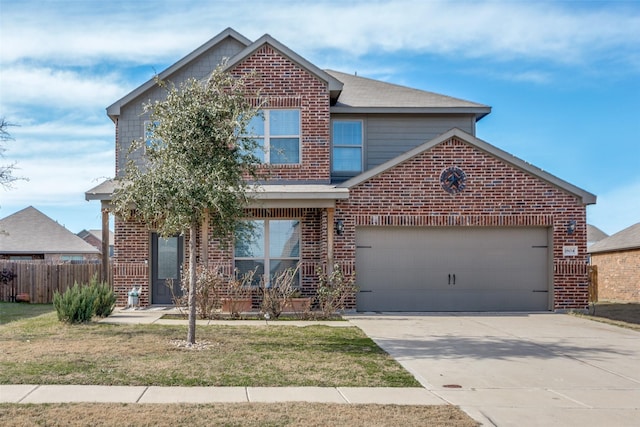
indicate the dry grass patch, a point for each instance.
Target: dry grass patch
{"x":41,"y":350}
{"x":621,"y":314}
{"x":239,"y":414}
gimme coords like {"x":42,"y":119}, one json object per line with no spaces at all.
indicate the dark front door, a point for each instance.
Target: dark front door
{"x":166,"y":266}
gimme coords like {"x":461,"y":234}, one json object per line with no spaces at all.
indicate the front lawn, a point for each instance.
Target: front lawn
{"x":41,"y":350}
{"x":10,"y":311}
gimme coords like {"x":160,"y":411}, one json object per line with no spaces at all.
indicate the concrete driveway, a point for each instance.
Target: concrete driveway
{"x":518,"y":369}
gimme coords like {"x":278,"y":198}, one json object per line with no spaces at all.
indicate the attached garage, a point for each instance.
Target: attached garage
{"x":453,"y":268}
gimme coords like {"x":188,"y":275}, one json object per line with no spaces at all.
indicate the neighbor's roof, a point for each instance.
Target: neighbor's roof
{"x":586,"y":197}
{"x":629,"y":238}
{"x":594,"y":234}
{"x":31,"y":231}
{"x":97,"y":234}
{"x":364,"y":95}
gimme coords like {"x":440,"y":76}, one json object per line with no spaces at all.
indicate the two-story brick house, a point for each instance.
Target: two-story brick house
{"x":382,"y":179}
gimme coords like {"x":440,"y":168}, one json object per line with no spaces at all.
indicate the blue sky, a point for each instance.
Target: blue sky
{"x":562,"y":77}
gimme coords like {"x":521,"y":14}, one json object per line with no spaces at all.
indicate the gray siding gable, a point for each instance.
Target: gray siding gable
{"x":194,"y":61}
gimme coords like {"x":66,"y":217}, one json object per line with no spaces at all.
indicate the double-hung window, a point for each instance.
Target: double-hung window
{"x":347,"y":146}
{"x":270,"y":245}
{"x":277,"y":133}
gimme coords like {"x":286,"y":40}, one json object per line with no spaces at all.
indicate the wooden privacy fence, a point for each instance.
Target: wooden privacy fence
{"x":41,"y":280}
{"x":593,"y":283}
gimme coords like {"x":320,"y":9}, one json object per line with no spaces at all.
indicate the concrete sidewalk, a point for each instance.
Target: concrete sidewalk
{"x":152,"y":394}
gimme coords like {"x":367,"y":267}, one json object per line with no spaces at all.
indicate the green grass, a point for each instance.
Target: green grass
{"x":11,"y":311}
{"x":41,"y":350}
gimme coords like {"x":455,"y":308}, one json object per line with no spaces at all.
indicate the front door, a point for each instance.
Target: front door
{"x":166,"y":268}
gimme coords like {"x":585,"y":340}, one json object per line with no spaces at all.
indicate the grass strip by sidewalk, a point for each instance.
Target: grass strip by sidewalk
{"x":239,"y":414}
{"x":41,"y":350}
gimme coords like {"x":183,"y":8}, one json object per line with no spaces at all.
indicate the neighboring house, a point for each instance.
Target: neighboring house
{"x":618,"y":260}
{"x":384,"y":180}
{"x":31,"y":235}
{"x":594,"y":235}
{"x":94,"y":238}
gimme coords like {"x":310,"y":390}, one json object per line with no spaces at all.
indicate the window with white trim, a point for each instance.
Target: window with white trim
{"x":277,"y":133}
{"x":271,"y":245}
{"x":347,"y":146}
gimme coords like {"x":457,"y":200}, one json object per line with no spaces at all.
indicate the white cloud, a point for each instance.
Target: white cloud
{"x":22,"y":85}
{"x":495,"y":30}
{"x":58,"y":180}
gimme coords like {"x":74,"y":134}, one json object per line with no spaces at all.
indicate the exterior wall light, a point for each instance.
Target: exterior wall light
{"x":339,"y":226}
{"x":571,"y":227}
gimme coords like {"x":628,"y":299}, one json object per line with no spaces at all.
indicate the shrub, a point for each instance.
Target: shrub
{"x":209,"y":285}
{"x":238,"y":288}
{"x":335,"y":290}
{"x":79,"y":304}
{"x":276,"y":294}
{"x":75,"y":305}
{"x":105,"y":300}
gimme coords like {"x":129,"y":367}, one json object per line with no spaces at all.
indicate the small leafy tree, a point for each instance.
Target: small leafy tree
{"x":195,"y":167}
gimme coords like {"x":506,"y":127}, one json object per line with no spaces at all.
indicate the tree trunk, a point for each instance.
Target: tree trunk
{"x":191,"y":334}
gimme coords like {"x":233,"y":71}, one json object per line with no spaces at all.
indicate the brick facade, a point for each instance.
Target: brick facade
{"x":409,"y":194}
{"x":497,"y":194}
{"x":283,"y":84}
{"x":618,"y":275}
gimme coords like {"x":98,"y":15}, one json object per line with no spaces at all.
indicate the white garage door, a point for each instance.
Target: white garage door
{"x":452,"y":269}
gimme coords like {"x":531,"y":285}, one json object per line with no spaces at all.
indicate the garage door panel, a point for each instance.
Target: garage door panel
{"x":438,"y":300}
{"x":452,"y":269}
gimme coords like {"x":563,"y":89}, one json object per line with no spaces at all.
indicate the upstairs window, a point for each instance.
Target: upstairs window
{"x":277,"y":133}
{"x":347,"y":146}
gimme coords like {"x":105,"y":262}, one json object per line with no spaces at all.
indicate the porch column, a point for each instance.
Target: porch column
{"x":105,"y":241}
{"x":330,"y":227}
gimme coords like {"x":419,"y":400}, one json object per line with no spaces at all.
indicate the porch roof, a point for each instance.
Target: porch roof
{"x":266,"y":195}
